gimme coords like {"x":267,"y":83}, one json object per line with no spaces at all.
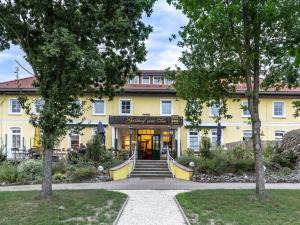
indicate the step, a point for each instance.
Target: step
{"x":150,"y":172}
{"x":152,"y":161}
{"x":151,"y":169}
{"x":151,"y":175}
{"x":150,"y":166}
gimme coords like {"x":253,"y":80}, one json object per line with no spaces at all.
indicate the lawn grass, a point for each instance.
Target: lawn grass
{"x":66,"y":207}
{"x":240,"y":207}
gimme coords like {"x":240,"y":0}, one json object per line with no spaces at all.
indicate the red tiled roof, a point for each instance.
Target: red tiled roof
{"x":242,"y":87}
{"x":24,"y":83}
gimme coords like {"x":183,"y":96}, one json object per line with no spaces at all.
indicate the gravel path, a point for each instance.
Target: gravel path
{"x":151,"y":207}
{"x":151,"y":184}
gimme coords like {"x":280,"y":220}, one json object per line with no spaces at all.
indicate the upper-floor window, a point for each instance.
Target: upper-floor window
{"x":16,"y":137}
{"x":166,"y":107}
{"x":247,"y":134}
{"x":214,"y":110}
{"x":146,"y":80}
{"x":39,"y":103}
{"x":166,"y":81}
{"x":125,"y":106}
{"x":245,"y":109}
{"x":14,"y":106}
{"x":279,"y":135}
{"x":99,"y":107}
{"x":278,"y":109}
{"x":193,"y":140}
{"x":157,"y":80}
{"x":134,"y":80}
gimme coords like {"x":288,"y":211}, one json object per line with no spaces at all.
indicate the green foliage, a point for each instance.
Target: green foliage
{"x":30,"y":171}
{"x":60,"y":167}
{"x":2,"y":154}
{"x":83,"y":173}
{"x":58,"y":177}
{"x":282,"y":159}
{"x":205,"y":147}
{"x":186,"y":159}
{"x":8,"y":172}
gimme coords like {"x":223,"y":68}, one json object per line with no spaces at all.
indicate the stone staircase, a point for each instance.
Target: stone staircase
{"x":151,"y":169}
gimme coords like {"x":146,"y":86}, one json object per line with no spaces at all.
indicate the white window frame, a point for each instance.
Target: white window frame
{"x":11,"y":135}
{"x":10,"y":107}
{"x":148,"y":79}
{"x":161,"y":79}
{"x":161,"y":111}
{"x":211,"y":136}
{"x":104,"y":108}
{"x":167,"y":81}
{"x":120,"y":106}
{"x":69,"y":138}
{"x":244,"y":134}
{"x":279,"y":131}
{"x":134,"y":80}
{"x":35,"y":101}
{"x":188,"y":138}
{"x":245,"y":115}
{"x":283,"y":110}
{"x":210,"y":111}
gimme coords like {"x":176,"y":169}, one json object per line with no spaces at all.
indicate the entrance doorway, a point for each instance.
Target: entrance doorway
{"x":148,"y":144}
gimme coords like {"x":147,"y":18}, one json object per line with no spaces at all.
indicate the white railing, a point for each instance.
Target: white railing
{"x":132,"y":160}
{"x":169,"y":161}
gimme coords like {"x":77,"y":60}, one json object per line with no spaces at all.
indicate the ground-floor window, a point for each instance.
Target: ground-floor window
{"x":16,"y":137}
{"x":193,"y":140}
{"x":213,"y":137}
{"x":279,"y":135}
{"x":74,"y":140}
{"x":247,"y":134}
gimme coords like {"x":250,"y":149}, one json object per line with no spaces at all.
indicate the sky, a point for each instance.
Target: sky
{"x":161,"y":53}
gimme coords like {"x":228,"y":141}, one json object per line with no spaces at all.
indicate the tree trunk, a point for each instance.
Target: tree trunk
{"x":47,"y":174}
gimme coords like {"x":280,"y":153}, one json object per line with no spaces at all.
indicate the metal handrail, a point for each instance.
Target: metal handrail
{"x":133,"y":160}
{"x":170,"y":158}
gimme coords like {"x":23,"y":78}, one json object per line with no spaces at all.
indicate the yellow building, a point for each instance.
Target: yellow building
{"x":148,"y":117}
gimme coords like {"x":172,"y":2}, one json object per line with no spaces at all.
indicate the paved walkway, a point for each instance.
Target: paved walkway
{"x":151,"y":207}
{"x":151,"y":184}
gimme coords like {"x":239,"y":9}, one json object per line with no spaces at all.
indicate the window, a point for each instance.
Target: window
{"x":15,"y":106}
{"x":39,"y":103}
{"x":168,"y":82}
{"x":157,"y":80}
{"x":246,"y":112}
{"x":279,"y":135}
{"x":278,"y":109}
{"x":146,"y":80}
{"x":125,"y":107}
{"x":134,"y":80}
{"x":193,"y":140}
{"x":74,"y":140}
{"x":16,"y":137}
{"x":213,"y":137}
{"x":166,"y":107}
{"x":99,"y":107}
{"x":247,"y":134}
{"x":214,"y":110}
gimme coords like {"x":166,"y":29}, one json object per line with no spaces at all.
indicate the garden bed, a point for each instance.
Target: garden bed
{"x":66,"y":207}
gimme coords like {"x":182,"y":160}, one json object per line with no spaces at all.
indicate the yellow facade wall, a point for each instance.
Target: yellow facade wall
{"x":150,"y":105}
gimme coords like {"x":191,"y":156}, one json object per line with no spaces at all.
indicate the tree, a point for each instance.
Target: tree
{"x":73,"y":47}
{"x":229,"y":42}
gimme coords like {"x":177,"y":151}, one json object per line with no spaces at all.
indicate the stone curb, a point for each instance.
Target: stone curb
{"x":181,"y":211}
{"x":121,"y":211}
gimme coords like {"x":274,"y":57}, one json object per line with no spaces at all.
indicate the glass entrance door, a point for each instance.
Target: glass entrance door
{"x":156,"y":147}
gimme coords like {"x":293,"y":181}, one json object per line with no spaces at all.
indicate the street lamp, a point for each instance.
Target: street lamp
{"x":130,"y":134}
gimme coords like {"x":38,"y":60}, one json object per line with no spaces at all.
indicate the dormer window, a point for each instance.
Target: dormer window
{"x":157,"y":80}
{"x":146,"y":80}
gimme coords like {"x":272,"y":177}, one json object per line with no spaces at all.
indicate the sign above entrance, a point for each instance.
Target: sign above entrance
{"x":147,"y":120}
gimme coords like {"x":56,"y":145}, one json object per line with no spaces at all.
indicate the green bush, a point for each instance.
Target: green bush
{"x":8,"y":172}
{"x":74,"y":158}
{"x":59,"y":167}
{"x":2,"y":154}
{"x":77,"y":174}
{"x":205,"y":147}
{"x":30,"y":171}
{"x":186,"y":159}
{"x":282,"y":159}
{"x":58,"y":177}
{"x":269,"y":151}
